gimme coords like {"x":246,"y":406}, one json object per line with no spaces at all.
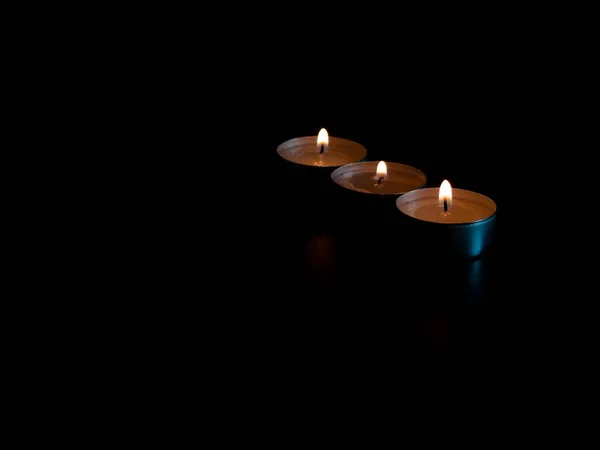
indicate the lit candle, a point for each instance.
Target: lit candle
{"x":381,"y":178}
{"x":303,"y":175}
{"x":467,"y":217}
{"x":321,"y":150}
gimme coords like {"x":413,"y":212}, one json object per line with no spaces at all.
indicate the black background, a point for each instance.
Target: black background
{"x":354,"y":287}
{"x":281,"y":284}
{"x":225,"y":255}
{"x":201,"y":264}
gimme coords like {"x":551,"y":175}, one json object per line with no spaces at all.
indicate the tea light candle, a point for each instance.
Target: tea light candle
{"x":381,"y":178}
{"x":321,"y":150}
{"x":303,"y":175}
{"x":366,"y":192}
{"x":465,"y":218}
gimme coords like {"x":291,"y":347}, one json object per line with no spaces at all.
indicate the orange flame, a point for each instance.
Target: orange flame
{"x":445,"y":193}
{"x":323,"y":140}
{"x":381,"y":170}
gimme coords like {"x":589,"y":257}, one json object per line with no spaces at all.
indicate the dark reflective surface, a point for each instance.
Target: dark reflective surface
{"x":344,"y":275}
{"x":374,"y":286}
{"x":277,"y":262}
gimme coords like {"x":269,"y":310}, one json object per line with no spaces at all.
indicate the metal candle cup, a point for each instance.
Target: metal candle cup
{"x":466,"y":229}
{"x":369,"y":188}
{"x":305,"y":175}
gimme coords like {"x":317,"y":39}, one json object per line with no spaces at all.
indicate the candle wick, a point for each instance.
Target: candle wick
{"x":380,"y":180}
{"x":445,"y":205}
{"x":322,"y":148}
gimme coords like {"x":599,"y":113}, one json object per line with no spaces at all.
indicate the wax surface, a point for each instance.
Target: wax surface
{"x":362,"y":177}
{"x":304,"y":151}
{"x":466,"y":207}
{"x":324,"y":160}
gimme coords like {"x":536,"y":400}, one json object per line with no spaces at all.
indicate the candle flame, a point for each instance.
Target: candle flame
{"x":445,"y":193}
{"x":322,"y":139}
{"x":381,"y":170}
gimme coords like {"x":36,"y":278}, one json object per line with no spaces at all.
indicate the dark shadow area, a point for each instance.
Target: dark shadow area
{"x":284,"y":265}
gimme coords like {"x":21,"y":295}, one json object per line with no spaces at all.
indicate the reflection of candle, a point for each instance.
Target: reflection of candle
{"x":468,"y":218}
{"x":321,"y":151}
{"x":379,"y":178}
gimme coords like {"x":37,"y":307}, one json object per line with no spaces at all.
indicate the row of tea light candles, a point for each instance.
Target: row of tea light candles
{"x":470,"y":214}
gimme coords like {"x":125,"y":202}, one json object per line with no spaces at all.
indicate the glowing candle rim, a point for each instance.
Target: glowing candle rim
{"x":336,"y":146}
{"x":457,"y":194}
{"x":371,"y":167}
